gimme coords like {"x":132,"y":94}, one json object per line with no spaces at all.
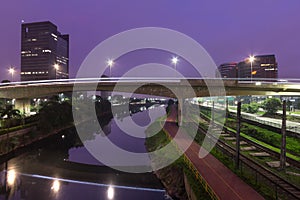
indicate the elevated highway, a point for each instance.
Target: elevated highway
{"x":150,"y":86}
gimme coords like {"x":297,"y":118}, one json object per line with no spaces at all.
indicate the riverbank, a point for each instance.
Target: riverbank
{"x":16,"y":144}
{"x":178,"y":180}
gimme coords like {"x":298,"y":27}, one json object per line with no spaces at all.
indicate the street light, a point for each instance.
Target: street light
{"x":56,"y":67}
{"x":175,"y":61}
{"x":251,"y":60}
{"x":11,"y":70}
{"x":110,"y":63}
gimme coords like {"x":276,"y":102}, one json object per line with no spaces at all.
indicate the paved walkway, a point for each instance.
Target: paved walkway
{"x":291,"y":126}
{"x":223,"y":182}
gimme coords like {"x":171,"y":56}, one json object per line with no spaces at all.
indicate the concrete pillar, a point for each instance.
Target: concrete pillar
{"x":283,"y":137}
{"x":238,"y":129}
{"x":23,"y":105}
{"x":179,"y":112}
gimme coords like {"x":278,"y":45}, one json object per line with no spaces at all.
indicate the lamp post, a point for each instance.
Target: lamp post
{"x":175,"y":61}
{"x":56,"y":67}
{"x":110,"y":63}
{"x":11,"y":70}
{"x":251,"y":60}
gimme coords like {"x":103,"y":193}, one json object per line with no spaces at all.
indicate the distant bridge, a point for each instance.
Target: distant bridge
{"x":152,"y":86}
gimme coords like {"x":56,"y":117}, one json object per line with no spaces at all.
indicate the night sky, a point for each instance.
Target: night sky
{"x":229,"y":30}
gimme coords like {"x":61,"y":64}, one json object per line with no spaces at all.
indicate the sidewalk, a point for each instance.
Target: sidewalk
{"x":290,"y":126}
{"x":223,"y":182}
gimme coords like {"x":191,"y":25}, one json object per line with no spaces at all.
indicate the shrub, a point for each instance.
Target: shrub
{"x":271,"y":105}
{"x":250,"y":108}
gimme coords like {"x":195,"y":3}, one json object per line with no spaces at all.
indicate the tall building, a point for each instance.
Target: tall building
{"x":44,"y":52}
{"x":227,"y":70}
{"x":263,"y":67}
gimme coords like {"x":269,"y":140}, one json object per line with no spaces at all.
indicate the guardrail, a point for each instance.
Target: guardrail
{"x":295,"y":129}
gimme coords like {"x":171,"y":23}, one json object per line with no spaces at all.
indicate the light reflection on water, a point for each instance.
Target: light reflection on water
{"x":22,"y":181}
{"x":33,"y":186}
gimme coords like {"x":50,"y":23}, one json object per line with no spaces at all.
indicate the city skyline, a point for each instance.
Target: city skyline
{"x":230,"y":31}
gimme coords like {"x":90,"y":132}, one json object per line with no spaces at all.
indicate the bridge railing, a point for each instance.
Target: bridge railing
{"x":256,"y":81}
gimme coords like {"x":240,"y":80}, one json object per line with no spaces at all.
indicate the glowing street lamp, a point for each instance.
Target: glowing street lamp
{"x":11,"y":70}
{"x":55,"y":186}
{"x":56,"y":67}
{"x":175,"y":61}
{"x":251,"y":60}
{"x":11,"y":177}
{"x":110,"y":63}
{"x":110,"y":192}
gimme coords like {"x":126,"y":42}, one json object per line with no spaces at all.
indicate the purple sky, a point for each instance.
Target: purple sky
{"x":229,"y":30}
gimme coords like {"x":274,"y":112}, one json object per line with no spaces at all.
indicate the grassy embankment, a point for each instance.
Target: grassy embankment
{"x":172,"y":175}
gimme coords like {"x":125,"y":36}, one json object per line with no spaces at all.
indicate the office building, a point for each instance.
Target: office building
{"x":227,"y":70}
{"x":44,"y":52}
{"x":263,"y":67}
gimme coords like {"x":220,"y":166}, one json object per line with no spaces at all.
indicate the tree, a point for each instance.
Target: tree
{"x":250,"y":108}
{"x":5,"y":81}
{"x":10,"y":117}
{"x":271,"y":105}
{"x":10,"y":113}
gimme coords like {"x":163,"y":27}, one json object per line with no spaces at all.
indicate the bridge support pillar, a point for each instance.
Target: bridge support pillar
{"x":23,"y":105}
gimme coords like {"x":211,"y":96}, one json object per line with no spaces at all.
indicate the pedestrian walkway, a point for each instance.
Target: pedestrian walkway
{"x":225,"y":184}
{"x":290,"y":125}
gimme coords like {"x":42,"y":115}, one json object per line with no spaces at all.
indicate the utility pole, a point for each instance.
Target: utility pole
{"x":213,"y":113}
{"x":238,"y":129}
{"x":283,"y":137}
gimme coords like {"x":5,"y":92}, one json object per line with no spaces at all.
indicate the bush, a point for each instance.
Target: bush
{"x":250,"y":108}
{"x":271,"y":105}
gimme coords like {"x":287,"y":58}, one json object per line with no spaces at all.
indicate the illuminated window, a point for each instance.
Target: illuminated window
{"x":53,"y":35}
{"x":46,"y":51}
{"x":265,"y":65}
{"x":270,"y":69}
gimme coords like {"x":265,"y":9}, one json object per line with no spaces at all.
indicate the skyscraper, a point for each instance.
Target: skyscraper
{"x":44,"y":52}
{"x":263,"y":67}
{"x":227,"y":70}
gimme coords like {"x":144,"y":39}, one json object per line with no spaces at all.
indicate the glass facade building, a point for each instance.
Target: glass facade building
{"x":263,"y":67}
{"x":44,"y":52}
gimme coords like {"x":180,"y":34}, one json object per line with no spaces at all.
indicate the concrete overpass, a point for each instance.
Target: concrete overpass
{"x":24,"y":91}
{"x":151,"y":86}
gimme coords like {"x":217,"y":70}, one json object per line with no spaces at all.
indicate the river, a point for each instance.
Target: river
{"x":62,"y":168}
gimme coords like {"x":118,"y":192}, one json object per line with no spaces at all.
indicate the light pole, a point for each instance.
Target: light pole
{"x":251,"y":60}
{"x":175,"y":61}
{"x":11,"y":70}
{"x":56,"y":67}
{"x":110,"y":63}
